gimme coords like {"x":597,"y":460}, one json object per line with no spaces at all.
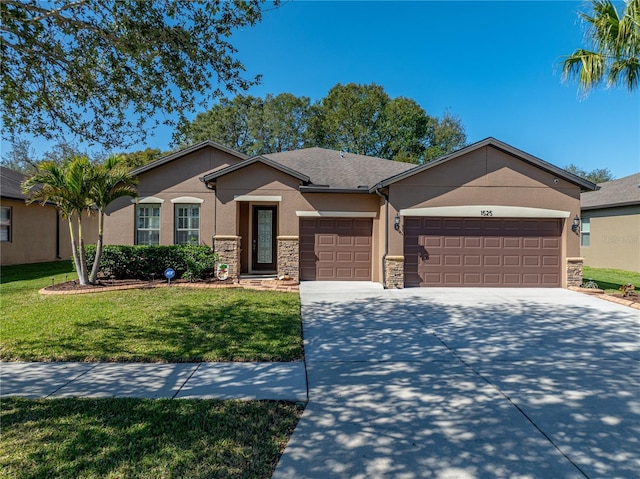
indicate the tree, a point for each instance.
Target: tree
{"x":357,"y":118}
{"x":79,"y":187}
{"x":614,"y":47}
{"x":353,"y":118}
{"x":66,"y":186}
{"x":444,"y":135}
{"x":100,"y":69}
{"x":364,"y":119}
{"x":109,"y":181}
{"x":229,"y":122}
{"x":22,"y":157}
{"x":598,"y":175}
{"x":135,"y":159}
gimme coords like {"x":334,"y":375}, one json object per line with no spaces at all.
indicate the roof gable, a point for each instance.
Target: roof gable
{"x":510,"y":150}
{"x":187,"y":151}
{"x":621,"y":192}
{"x":211,"y":177}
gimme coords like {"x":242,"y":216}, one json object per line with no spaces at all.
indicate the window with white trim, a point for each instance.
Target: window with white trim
{"x":585,"y":232}
{"x":187,"y":224}
{"x":5,"y":223}
{"x":148,"y":224}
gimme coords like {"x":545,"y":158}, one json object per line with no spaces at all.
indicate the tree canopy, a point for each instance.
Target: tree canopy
{"x":598,"y":175}
{"x":361,"y":119}
{"x":613,"y":50}
{"x":101,"y":69}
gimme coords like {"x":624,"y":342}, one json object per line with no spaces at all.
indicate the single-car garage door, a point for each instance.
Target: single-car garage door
{"x":335,"y":249}
{"x":500,"y":252}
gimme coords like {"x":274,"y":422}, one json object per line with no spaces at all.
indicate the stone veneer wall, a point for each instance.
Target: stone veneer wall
{"x":228,"y":250}
{"x":574,"y":272}
{"x":394,"y":272}
{"x":289,"y":256}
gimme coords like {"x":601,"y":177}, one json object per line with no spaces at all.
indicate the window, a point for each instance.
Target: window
{"x":5,"y":223}
{"x":148,"y":224}
{"x":187,"y":224}
{"x":585,"y":232}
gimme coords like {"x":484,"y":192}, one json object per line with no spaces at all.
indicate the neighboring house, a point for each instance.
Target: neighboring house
{"x":33,"y":233}
{"x":610,"y":228}
{"x":486,"y":215}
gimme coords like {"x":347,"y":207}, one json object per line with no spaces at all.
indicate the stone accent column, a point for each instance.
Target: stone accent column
{"x":289,"y":256}
{"x":574,"y":272}
{"x":228,"y":250}
{"x":394,"y":272}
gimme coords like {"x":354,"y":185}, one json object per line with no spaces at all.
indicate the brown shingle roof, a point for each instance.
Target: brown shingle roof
{"x":339,"y":169}
{"x":625,"y":191}
{"x":10,"y":184}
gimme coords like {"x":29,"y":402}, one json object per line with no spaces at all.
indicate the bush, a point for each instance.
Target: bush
{"x":140,"y":262}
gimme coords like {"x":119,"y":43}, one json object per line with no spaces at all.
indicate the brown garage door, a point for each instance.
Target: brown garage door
{"x":335,"y":249}
{"x":482,"y":252}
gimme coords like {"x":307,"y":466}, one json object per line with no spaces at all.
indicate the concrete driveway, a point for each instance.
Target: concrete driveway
{"x":466,"y":383}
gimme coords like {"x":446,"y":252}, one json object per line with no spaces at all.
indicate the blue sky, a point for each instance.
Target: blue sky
{"x":494,"y":64}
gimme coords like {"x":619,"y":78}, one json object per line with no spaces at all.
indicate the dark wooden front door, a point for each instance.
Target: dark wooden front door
{"x":263,"y":248}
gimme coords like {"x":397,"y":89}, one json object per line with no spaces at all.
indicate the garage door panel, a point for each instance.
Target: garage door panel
{"x":485,"y":252}
{"x":336,"y":249}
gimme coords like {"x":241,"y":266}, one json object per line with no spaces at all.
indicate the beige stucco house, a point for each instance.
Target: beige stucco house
{"x":486,"y":215}
{"x":610,"y":229}
{"x":33,"y":233}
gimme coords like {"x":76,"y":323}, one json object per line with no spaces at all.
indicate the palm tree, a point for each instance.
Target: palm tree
{"x":110,"y":181}
{"x":67,"y":187}
{"x":615,"y":47}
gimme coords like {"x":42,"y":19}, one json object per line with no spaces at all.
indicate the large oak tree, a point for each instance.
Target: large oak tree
{"x":100,"y":69}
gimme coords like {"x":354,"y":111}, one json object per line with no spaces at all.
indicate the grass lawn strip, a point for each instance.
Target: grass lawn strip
{"x":610,"y":280}
{"x":157,"y":325}
{"x":135,"y":438}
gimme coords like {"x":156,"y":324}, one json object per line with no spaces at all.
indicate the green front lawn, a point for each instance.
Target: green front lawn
{"x":134,"y":438}
{"x":611,"y":279}
{"x":153,"y":325}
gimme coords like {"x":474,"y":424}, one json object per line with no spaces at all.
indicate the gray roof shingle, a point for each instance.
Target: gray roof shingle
{"x":10,"y":181}
{"x":339,"y":169}
{"x":625,"y":191}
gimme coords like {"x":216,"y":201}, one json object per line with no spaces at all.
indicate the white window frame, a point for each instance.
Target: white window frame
{"x":190,"y":229}
{"x":585,"y":232}
{"x":6,"y":223}
{"x":150,"y":206}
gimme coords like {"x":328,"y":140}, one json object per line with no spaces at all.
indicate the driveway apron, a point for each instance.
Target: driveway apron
{"x":466,"y":383}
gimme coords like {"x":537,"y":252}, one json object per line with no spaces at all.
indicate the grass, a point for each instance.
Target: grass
{"x":114,"y":438}
{"x":611,"y":279}
{"x":156,"y":325}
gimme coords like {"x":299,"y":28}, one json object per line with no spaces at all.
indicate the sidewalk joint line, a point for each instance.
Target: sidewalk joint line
{"x":73,"y":379}
{"x":186,"y":381}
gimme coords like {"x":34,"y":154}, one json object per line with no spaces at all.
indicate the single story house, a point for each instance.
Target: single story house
{"x":33,"y":233}
{"x":486,"y":215}
{"x":610,"y":229}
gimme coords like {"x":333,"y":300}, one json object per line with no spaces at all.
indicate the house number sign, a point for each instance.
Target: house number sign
{"x":486,"y":213}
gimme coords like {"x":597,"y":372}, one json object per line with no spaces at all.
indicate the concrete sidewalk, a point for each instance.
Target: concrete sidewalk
{"x":251,"y":381}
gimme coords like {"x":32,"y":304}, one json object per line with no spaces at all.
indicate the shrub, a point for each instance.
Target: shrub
{"x":140,"y":262}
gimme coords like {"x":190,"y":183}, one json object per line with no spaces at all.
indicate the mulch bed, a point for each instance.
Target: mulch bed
{"x":72,"y":287}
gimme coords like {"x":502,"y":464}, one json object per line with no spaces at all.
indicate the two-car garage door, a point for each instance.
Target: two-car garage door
{"x":499,"y":252}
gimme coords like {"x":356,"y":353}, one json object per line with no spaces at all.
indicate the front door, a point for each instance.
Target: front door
{"x":263,"y":248}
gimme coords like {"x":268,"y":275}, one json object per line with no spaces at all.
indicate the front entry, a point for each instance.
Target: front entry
{"x":263,"y":248}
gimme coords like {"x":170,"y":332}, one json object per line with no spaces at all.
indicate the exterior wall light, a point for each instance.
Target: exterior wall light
{"x":576,"y":224}
{"x":396,"y":222}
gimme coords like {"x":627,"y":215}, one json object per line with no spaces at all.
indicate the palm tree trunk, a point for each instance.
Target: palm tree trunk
{"x":96,"y":260}
{"x":81,"y":253}
{"x":76,"y":256}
